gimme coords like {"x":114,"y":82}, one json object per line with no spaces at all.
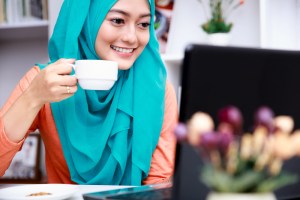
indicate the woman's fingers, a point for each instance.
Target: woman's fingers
{"x":58,"y":73}
{"x":62,"y":66}
{"x":63,"y":92}
{"x":68,"y":89}
{"x":64,"y":60}
{"x":66,"y":80}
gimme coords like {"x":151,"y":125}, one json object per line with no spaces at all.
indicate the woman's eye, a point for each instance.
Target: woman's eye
{"x":118,"y":21}
{"x":144,"y":25}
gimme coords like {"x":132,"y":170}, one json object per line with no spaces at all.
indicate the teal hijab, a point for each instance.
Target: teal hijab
{"x":108,"y":137}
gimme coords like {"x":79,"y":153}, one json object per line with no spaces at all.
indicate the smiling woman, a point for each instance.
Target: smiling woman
{"x":120,"y":136}
{"x":124,"y":33}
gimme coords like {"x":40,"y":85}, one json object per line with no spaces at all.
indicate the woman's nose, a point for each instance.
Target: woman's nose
{"x":130,"y":35}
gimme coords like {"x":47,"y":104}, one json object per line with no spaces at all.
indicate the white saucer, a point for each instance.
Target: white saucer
{"x":57,"y":192}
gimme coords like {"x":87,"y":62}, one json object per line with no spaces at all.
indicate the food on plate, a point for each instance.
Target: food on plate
{"x":38,"y":194}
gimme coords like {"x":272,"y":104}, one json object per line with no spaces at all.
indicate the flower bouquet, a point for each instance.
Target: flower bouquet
{"x":237,"y":162}
{"x":217,"y":12}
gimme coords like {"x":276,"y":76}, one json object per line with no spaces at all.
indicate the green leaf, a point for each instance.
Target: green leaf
{"x":276,"y":182}
{"x":156,"y":25}
{"x":221,"y":181}
{"x":246,"y":181}
{"x":215,"y":179}
{"x":216,"y":25}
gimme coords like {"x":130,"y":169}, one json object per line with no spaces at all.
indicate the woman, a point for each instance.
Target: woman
{"x":121,"y":136}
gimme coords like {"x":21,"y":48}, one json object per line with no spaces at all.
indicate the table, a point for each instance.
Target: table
{"x":82,"y":189}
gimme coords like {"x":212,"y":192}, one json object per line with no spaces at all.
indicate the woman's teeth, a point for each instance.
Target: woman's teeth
{"x":122,"y":49}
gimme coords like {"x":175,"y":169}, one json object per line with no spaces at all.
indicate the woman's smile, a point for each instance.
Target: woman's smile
{"x":122,"y":51}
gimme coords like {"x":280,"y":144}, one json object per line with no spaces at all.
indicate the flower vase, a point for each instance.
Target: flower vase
{"x":240,"y":196}
{"x":220,"y":39}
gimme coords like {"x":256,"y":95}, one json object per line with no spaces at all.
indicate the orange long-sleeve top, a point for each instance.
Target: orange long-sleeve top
{"x":162,"y":163}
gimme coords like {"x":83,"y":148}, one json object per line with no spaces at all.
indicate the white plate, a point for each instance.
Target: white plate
{"x":58,"y":192}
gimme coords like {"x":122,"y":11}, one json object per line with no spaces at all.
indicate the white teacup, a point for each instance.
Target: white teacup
{"x":96,"y":74}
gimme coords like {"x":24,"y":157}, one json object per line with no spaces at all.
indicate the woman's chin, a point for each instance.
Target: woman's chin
{"x":125,"y":66}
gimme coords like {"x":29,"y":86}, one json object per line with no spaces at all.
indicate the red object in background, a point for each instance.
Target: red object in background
{"x":231,"y":115}
{"x":164,"y":4}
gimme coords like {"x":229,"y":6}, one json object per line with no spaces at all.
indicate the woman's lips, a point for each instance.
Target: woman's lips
{"x":123,"y":52}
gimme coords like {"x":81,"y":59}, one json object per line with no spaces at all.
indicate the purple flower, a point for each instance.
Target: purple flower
{"x":180,"y":132}
{"x":209,"y":140}
{"x":224,"y":140}
{"x":264,"y":116}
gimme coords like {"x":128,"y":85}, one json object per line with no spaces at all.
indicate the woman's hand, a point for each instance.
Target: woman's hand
{"x":54,"y":83}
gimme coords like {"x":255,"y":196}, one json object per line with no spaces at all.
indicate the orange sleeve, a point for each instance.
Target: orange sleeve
{"x":163,"y":158}
{"x":8,"y":149}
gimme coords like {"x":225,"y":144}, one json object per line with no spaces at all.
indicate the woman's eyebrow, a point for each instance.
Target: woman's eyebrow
{"x":127,"y":14}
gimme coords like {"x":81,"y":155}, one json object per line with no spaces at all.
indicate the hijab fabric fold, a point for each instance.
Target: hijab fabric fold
{"x":108,"y":137}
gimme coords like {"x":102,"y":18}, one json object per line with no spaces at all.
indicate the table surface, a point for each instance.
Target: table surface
{"x":82,"y":189}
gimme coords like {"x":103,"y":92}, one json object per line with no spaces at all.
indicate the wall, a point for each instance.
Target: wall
{"x":16,"y":58}
{"x":280,"y":24}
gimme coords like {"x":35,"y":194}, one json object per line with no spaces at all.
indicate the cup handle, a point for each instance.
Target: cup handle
{"x":74,"y":68}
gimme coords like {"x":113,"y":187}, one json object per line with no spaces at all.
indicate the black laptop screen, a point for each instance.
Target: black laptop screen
{"x":213,"y":77}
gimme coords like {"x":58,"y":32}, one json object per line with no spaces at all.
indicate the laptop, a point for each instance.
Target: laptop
{"x":213,"y":77}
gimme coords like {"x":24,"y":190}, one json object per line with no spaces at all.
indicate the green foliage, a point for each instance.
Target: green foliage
{"x":156,"y":25}
{"x":216,"y":26}
{"x":217,"y":23}
{"x":245,"y":181}
{"x":273,"y":183}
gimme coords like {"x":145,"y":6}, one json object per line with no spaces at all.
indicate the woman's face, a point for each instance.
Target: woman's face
{"x":124,"y":32}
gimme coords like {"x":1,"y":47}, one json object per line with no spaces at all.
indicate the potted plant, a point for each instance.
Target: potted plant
{"x":241,"y":164}
{"x":217,"y":13}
